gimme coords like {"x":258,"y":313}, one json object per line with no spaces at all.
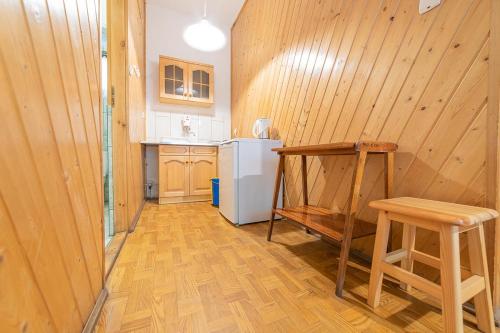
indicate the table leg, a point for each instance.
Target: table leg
{"x":305,"y":194}
{"x":389,"y":186}
{"x":277,"y":184}
{"x":349,"y":220}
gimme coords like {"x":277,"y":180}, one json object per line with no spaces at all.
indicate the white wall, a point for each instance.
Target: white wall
{"x":164,"y":29}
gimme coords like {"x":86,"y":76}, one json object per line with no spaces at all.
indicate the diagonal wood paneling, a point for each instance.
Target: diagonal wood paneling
{"x":50,"y":167}
{"x":327,"y":71}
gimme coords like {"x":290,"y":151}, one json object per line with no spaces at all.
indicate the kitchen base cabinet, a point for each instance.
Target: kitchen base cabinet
{"x":185,"y":173}
{"x":173,"y":177}
{"x":201,"y":170}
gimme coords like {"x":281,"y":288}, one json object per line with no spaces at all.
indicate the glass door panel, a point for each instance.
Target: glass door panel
{"x":172,"y":79}
{"x":201,"y":83}
{"x":107,"y":137}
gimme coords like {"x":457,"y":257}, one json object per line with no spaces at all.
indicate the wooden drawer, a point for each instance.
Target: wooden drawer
{"x":173,"y":150}
{"x":203,"y":150}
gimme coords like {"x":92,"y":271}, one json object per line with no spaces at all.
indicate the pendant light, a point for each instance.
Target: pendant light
{"x":204,"y":36}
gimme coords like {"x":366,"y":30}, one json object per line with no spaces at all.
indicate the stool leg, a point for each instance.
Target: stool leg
{"x":479,"y":266}
{"x":408,"y":243}
{"x":450,"y":279}
{"x":379,"y":254}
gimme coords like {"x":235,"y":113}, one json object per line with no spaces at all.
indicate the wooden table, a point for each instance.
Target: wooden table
{"x":340,"y":227}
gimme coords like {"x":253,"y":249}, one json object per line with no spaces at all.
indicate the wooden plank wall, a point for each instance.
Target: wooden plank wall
{"x":136,"y":93}
{"x":493,"y":155}
{"x":127,"y":47}
{"x":341,"y":70}
{"x":51,"y":246}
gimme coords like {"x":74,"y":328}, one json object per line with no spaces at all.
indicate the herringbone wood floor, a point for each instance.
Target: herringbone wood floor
{"x":185,"y":269}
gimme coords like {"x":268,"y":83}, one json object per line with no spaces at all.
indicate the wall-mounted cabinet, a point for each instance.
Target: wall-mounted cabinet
{"x":184,"y":82}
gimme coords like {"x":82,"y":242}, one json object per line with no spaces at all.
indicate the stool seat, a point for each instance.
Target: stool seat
{"x":436,"y":211}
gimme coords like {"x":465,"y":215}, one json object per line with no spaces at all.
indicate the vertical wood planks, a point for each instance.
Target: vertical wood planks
{"x":50,"y":177}
{"x":127,"y":79}
{"x":376,"y":70}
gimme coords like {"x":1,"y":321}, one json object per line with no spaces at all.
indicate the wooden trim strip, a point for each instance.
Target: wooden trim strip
{"x":137,"y":215}
{"x":186,"y":61}
{"x":420,"y":223}
{"x":96,"y":311}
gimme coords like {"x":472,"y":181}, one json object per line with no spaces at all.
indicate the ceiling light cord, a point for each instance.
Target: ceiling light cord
{"x":205,"y":10}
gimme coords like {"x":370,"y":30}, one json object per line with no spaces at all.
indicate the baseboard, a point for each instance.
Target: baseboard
{"x":186,"y":199}
{"x":136,"y":217}
{"x":96,"y":311}
{"x":111,"y":255}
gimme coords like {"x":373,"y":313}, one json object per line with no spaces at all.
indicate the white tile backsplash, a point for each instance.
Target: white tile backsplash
{"x":166,"y":125}
{"x":204,"y":128}
{"x":217,"y":130}
{"x":162,"y":128}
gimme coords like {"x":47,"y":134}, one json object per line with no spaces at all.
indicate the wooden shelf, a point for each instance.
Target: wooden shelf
{"x":339,"y":148}
{"x":325,"y":221}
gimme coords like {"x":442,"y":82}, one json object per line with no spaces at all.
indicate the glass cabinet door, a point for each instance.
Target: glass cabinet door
{"x":201,"y":83}
{"x":173,"y":79}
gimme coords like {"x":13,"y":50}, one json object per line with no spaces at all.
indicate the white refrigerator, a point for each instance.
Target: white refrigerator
{"x":247,"y":171}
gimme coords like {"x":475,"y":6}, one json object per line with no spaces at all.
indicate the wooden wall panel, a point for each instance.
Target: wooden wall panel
{"x":51,"y":248}
{"x":326,"y":71}
{"x":117,"y":90}
{"x":127,"y":80}
{"x":136,"y":105}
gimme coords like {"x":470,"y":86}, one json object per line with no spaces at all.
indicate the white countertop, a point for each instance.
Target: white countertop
{"x":179,"y":143}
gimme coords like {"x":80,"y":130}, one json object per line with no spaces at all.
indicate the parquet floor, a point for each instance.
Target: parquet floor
{"x":185,"y":269}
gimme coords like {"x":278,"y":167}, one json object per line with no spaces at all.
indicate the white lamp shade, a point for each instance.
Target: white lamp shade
{"x":204,"y":36}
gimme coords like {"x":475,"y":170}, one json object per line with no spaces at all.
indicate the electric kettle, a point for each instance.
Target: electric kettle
{"x":260,"y":128}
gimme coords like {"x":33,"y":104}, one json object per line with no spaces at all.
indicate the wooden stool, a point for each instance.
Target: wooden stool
{"x":448,"y":220}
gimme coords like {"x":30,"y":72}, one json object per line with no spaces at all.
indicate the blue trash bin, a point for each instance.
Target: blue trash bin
{"x":215,"y":192}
